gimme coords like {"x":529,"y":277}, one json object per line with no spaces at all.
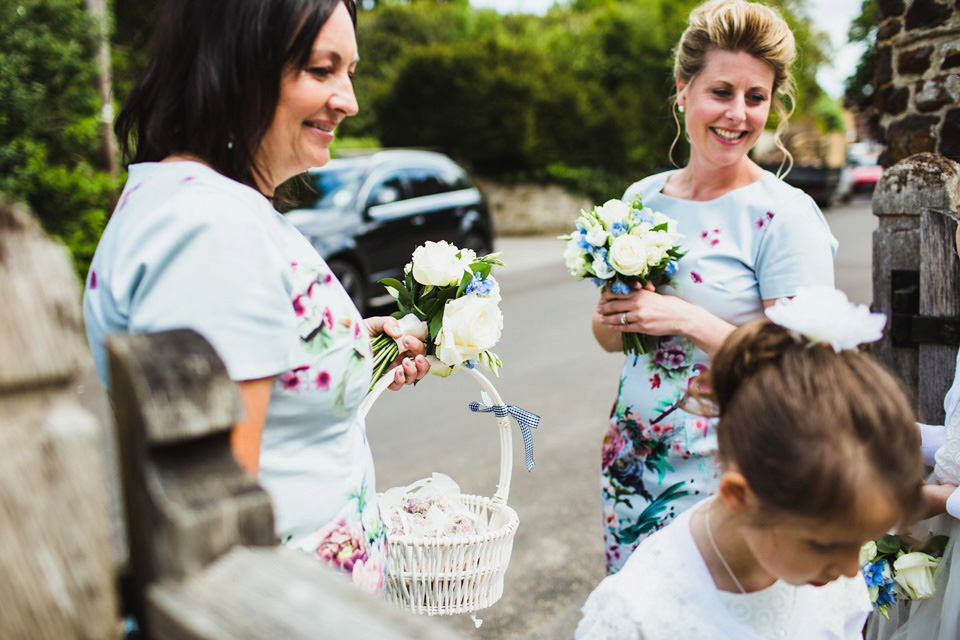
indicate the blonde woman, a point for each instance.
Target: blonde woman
{"x":750,"y":239}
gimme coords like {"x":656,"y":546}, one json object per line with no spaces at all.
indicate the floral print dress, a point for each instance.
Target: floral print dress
{"x":189,"y":248}
{"x":755,"y":243}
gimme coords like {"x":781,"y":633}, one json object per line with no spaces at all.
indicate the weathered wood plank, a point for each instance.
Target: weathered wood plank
{"x":56,"y":572}
{"x":41,"y":325}
{"x":187,"y":501}
{"x":250,"y":594}
{"x":922,"y":182}
{"x":939,"y":298}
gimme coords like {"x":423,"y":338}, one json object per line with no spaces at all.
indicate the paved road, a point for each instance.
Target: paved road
{"x":552,"y":367}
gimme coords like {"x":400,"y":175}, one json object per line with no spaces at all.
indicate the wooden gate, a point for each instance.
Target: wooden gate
{"x":916,"y":276}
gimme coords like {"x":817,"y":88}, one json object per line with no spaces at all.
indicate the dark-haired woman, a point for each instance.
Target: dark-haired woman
{"x":238,"y":97}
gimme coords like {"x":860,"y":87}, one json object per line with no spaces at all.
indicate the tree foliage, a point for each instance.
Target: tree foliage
{"x":859,"y":89}
{"x":50,"y":120}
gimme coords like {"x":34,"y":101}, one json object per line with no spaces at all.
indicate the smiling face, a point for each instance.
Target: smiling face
{"x":726,"y":107}
{"x":802,"y":550}
{"x":313,"y":101}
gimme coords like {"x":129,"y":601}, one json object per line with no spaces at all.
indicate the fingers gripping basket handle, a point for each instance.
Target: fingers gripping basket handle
{"x":506,"y":429}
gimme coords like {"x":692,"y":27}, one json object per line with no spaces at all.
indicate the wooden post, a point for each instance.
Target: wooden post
{"x":201,"y":531}
{"x":915,"y":275}
{"x":56,"y":574}
{"x":187,"y":501}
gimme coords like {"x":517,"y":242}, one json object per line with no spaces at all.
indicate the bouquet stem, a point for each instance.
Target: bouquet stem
{"x":385,"y":353}
{"x":638,"y":343}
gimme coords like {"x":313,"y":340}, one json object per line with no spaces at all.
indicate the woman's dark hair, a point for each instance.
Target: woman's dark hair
{"x":212,"y":83}
{"x":809,"y":428}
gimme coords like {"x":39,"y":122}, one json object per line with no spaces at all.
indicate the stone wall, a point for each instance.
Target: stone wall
{"x":918,"y":78}
{"x":532,"y":209}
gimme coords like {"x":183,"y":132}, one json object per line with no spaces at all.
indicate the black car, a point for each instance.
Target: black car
{"x":369,"y":213}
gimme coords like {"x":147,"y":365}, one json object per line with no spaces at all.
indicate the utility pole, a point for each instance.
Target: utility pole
{"x":98,"y":10}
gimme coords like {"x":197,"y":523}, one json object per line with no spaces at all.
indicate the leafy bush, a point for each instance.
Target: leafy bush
{"x":49,"y":120}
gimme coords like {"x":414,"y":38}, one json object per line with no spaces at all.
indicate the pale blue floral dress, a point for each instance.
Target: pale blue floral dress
{"x":755,"y":243}
{"x":189,"y":248}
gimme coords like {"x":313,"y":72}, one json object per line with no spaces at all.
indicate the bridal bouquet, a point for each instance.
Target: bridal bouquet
{"x":894,"y":569}
{"x":621,"y":245}
{"x":449,"y":300}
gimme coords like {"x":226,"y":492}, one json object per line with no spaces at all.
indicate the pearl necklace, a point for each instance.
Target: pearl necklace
{"x":716,"y":549}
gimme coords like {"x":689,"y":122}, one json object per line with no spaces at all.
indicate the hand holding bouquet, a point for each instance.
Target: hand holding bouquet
{"x":622,"y":246}
{"x":895,"y":569}
{"x":449,"y":300}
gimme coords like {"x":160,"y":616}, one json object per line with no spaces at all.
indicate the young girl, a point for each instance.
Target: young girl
{"x":819,"y":454}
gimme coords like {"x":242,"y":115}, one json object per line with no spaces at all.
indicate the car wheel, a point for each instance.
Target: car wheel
{"x":476,"y":241}
{"x":352,"y":280}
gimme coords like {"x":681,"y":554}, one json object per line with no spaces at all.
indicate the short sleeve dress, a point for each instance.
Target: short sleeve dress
{"x":759,"y":242}
{"x":188,"y":248}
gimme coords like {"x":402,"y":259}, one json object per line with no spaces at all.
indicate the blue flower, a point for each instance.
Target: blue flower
{"x":885,"y":595}
{"x":618,"y":229}
{"x":479,"y":286}
{"x":671,"y":268}
{"x":873,"y":573}
{"x":470,"y":364}
{"x":598,"y":282}
{"x":619,"y":288}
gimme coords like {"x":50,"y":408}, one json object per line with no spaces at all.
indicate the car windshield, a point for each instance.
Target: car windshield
{"x":336,"y":188}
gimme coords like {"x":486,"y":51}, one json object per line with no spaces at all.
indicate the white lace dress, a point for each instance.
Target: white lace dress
{"x":665,"y":592}
{"x":939,"y":617}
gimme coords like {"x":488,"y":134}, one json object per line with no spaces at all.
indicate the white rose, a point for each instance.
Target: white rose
{"x":437,"y":264}
{"x":411,"y":325}
{"x":471,"y":324}
{"x":914,"y":573}
{"x":824,"y":314}
{"x":656,"y":243}
{"x":659,"y":219}
{"x":575,"y":259}
{"x":597,"y":236}
{"x":611,"y":212}
{"x":628,"y":255}
{"x":602,"y":269}
{"x":867,"y":553}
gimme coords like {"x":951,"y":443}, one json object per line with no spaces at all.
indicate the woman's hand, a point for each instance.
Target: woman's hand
{"x":643,"y":310}
{"x":413,"y":363}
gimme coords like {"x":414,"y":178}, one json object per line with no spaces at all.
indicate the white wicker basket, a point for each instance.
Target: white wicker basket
{"x":455,"y":574}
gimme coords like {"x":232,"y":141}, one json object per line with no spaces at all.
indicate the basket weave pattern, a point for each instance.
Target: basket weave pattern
{"x":455,"y":574}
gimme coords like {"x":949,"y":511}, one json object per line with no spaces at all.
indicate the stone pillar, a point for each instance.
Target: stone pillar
{"x":917,"y":78}
{"x":910,"y":260}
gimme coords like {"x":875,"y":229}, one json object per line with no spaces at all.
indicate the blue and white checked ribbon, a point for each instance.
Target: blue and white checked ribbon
{"x":524,"y":418}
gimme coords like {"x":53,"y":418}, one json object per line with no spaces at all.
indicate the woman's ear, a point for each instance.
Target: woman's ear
{"x":681,"y":96}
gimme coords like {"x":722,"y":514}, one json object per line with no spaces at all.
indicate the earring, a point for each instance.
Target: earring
{"x":229,"y":144}
{"x":681,"y":108}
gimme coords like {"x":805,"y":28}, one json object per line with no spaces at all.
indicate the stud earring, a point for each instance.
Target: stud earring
{"x":681,"y":108}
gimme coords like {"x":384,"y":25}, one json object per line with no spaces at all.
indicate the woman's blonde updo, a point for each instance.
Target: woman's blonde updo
{"x":739,"y":26}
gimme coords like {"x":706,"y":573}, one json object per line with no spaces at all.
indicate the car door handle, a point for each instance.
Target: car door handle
{"x":418,"y":220}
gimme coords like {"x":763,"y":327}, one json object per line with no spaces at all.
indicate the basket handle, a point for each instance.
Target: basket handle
{"x":506,"y":429}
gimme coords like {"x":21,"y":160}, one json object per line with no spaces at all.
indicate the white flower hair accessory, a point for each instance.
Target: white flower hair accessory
{"x":825,"y":314}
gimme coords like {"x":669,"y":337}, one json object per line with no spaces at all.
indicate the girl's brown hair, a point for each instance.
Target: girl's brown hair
{"x":739,"y":26}
{"x":811,"y":429}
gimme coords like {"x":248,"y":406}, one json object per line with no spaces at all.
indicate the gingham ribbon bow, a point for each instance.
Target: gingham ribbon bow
{"x":524,"y":418}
